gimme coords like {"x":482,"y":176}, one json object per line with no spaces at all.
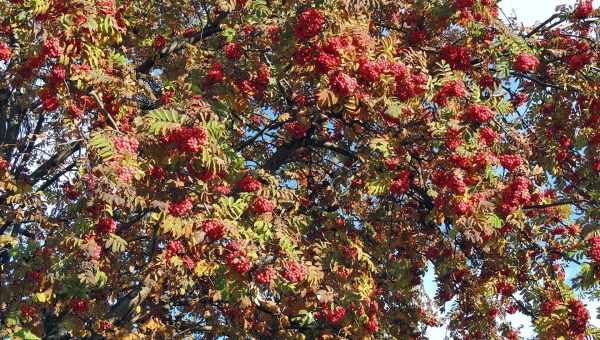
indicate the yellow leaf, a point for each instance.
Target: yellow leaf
{"x":203,"y":268}
{"x":283,"y":117}
{"x":44,"y":296}
{"x":153,"y":324}
{"x":7,"y":239}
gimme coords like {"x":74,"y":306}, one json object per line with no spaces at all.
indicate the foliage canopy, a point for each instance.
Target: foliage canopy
{"x":290,"y":169}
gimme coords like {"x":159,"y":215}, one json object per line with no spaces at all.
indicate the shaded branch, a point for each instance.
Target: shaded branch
{"x":556,"y":204}
{"x":53,"y":162}
{"x":541,"y":26}
{"x":208,"y":30}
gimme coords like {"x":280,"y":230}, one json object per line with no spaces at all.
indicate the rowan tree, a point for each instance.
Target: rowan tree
{"x":290,"y":169}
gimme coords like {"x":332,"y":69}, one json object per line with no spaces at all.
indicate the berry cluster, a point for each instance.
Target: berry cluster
{"x":261,"y":81}
{"x":28,"y":311}
{"x":548,"y":307}
{"x":126,"y":144}
{"x":511,"y":162}
{"x":309,"y":24}
{"x":477,"y":113}
{"x":187,"y":139}
{"x":456,"y":184}
{"x":401,"y":183}
{"x":296,"y":129}
{"x":175,"y":247}
{"x":78,"y":305}
{"x":372,"y":325}
{"x":4,"y":52}
{"x":453,"y":88}
{"x":180,"y":208}
{"x":125,"y":173}
{"x":324,"y":62}
{"x":70,"y":191}
{"x":58,"y":74}
{"x":233,"y":51}
{"x":458,"y":57}
{"x":515,"y":195}
{"x":214,"y":229}
{"x":167,"y":97}
{"x":303,"y":55}
{"x":249,"y":184}
{"x":578,"y":317}
{"x":51,"y":47}
{"x":368,"y":71}
{"x":237,"y":258}
{"x":410,"y":86}
{"x":106,"y":226}
{"x":188,"y":262}
{"x":505,"y":288}
{"x":223,"y":189}
{"x":342,"y":84}
{"x":487,"y":136}
{"x":463,"y":4}
{"x":584,"y":9}
{"x":214,"y":75}
{"x":3,"y":164}
{"x":159,"y":42}
{"x":266,"y":275}
{"x":158,"y":173}
{"x":595,"y":249}
{"x":49,"y":100}
{"x":334,"y":315}
{"x":263,"y":205}
{"x":295,"y":272}
{"x":526,"y":63}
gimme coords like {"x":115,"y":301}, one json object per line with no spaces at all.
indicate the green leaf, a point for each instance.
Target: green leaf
{"x":103,"y":146}
{"x":304,"y":318}
{"x":101,"y":278}
{"x":115,"y":243}
{"x":394,"y":109}
{"x":119,"y":58}
{"x":494,"y":221}
{"x":163,"y":120}
{"x":228,"y":208}
{"x":377,"y":187}
{"x":229,"y":34}
{"x":221,"y":109}
{"x":26,"y":335}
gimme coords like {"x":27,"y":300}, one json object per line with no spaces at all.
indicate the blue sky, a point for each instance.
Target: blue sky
{"x":527,"y":12}
{"x":531,"y":11}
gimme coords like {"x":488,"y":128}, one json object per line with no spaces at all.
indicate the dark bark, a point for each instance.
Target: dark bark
{"x":208,"y":30}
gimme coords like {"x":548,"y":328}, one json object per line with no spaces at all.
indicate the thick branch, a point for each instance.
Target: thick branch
{"x":541,"y":26}
{"x":260,"y":133}
{"x":283,"y":154}
{"x":210,"y":29}
{"x":53,"y":162}
{"x":556,"y":204}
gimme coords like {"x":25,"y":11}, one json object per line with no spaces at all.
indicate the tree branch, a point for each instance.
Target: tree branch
{"x":541,"y":26}
{"x":556,"y":204}
{"x":208,"y":30}
{"x":53,"y":162}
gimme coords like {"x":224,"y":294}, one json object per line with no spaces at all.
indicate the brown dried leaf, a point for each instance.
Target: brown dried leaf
{"x":326,"y":99}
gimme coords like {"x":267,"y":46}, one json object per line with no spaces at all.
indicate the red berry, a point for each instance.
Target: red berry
{"x":295,"y":272}
{"x":263,"y":205}
{"x":266,"y":275}
{"x":214,"y":229}
{"x":310,"y":23}
{"x":526,"y":63}
{"x":106,"y":226}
